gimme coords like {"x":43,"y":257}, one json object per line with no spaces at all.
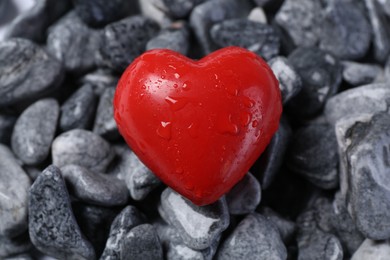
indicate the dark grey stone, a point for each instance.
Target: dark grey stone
{"x":290,"y":82}
{"x":364,"y":150}
{"x":205,"y":15}
{"x":254,"y":238}
{"x":285,"y":226}
{"x":321,"y":76}
{"x":346,"y":32}
{"x":199,"y":226}
{"x":358,"y":74}
{"x":82,"y":148}
{"x":257,"y":37}
{"x":181,"y":8}
{"x":263,"y":2}
{"x":314,"y":244}
{"x":14,"y":185}
{"x":99,"y":80}
{"x":33,"y":23}
{"x":12,"y":246}
{"x":268,"y":165}
{"x":381,"y":34}
{"x":97,"y":13}
{"x":27,"y":72}
{"x":368,"y":99}
{"x":370,"y":249}
{"x":301,"y":21}
{"x":141,"y":242}
{"x":245,"y":196}
{"x":34,"y":131}
{"x":79,"y":109}
{"x":129,"y":218}
{"x":313,"y":154}
{"x":52,"y":226}
{"x":73,"y":43}
{"x":124,"y":40}
{"x":105,"y":124}
{"x":175,"y":38}
{"x":7,"y":123}
{"x":95,"y":188}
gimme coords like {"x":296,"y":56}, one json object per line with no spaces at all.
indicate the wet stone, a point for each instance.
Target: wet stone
{"x":285,"y":226}
{"x":381,"y":34}
{"x":27,"y":72}
{"x":10,"y":247}
{"x":290,"y":82}
{"x":14,"y":185}
{"x":33,"y":23}
{"x":175,"y":38}
{"x":142,"y":242}
{"x":157,"y":11}
{"x":321,"y":75}
{"x":82,"y":148}
{"x":254,"y":238}
{"x":97,"y":13}
{"x":34,"y":131}
{"x":129,"y":218}
{"x":99,"y":80}
{"x":181,"y":8}
{"x":7,"y":123}
{"x":370,"y":249}
{"x":364,"y":150}
{"x":368,"y":99}
{"x":258,"y":15}
{"x":52,"y":225}
{"x":313,"y":154}
{"x":205,"y":15}
{"x":79,"y":109}
{"x":105,"y":124}
{"x":94,"y":188}
{"x":245,"y":196}
{"x":346,"y":31}
{"x":257,"y":37}
{"x":198,"y":226}
{"x":73,"y":43}
{"x":125,"y":40}
{"x":358,"y":74}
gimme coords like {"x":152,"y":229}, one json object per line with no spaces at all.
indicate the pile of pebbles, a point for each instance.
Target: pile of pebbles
{"x":71,"y":189}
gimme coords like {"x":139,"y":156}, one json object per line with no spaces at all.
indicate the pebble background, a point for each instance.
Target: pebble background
{"x":71,"y":189}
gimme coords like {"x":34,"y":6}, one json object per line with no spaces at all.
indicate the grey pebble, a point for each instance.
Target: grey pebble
{"x":14,"y":185}
{"x":364,"y":149}
{"x":290,"y":82}
{"x":12,"y":246}
{"x":99,"y":80}
{"x":181,"y":8}
{"x":82,"y":147}
{"x":358,"y":74}
{"x":205,"y":15}
{"x":346,"y":32}
{"x":93,"y":187}
{"x":381,"y":34}
{"x":370,"y":249}
{"x":286,"y":227}
{"x":52,"y":225}
{"x":97,"y":13}
{"x":34,"y":131}
{"x":156,"y":10}
{"x":321,"y":76}
{"x":124,"y":40}
{"x":175,"y":38}
{"x":314,"y":155}
{"x":142,"y":242}
{"x":73,"y":43}
{"x":33,"y":23}
{"x":199,"y":226}
{"x":20,"y":257}
{"x":7,"y":123}
{"x":105,"y":124}
{"x":27,"y":72}
{"x":254,"y":238}
{"x":245,"y":196}
{"x":257,"y":14}
{"x":257,"y":37}
{"x":79,"y":109}
{"x":129,"y":218}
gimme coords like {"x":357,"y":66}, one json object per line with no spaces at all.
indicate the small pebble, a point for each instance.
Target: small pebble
{"x":52,"y":225}
{"x":358,"y":74}
{"x":155,"y":10}
{"x":258,"y":15}
{"x":105,"y":124}
{"x":34,"y":131}
{"x":198,"y":226}
{"x":286,"y":227}
{"x":181,"y":8}
{"x":82,"y":147}
{"x":99,"y":80}
{"x":370,"y":249}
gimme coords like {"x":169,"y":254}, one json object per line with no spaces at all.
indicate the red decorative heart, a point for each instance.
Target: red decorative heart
{"x":198,"y":125}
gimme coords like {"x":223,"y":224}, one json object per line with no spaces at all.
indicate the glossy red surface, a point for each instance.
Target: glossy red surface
{"x":198,"y":125}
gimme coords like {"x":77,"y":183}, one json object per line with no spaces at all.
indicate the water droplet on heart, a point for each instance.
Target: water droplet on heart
{"x":143,"y":87}
{"x":175,"y":85}
{"x":179,"y":170}
{"x":232,"y":91}
{"x":186,"y":86}
{"x":176,"y":103}
{"x":255,"y":123}
{"x":177,"y":75}
{"x":245,"y":118}
{"x":226,"y":126}
{"x":189,"y":185}
{"x":162,"y":76}
{"x":193,"y":130}
{"x":248,"y":102}
{"x":164,"y":130}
